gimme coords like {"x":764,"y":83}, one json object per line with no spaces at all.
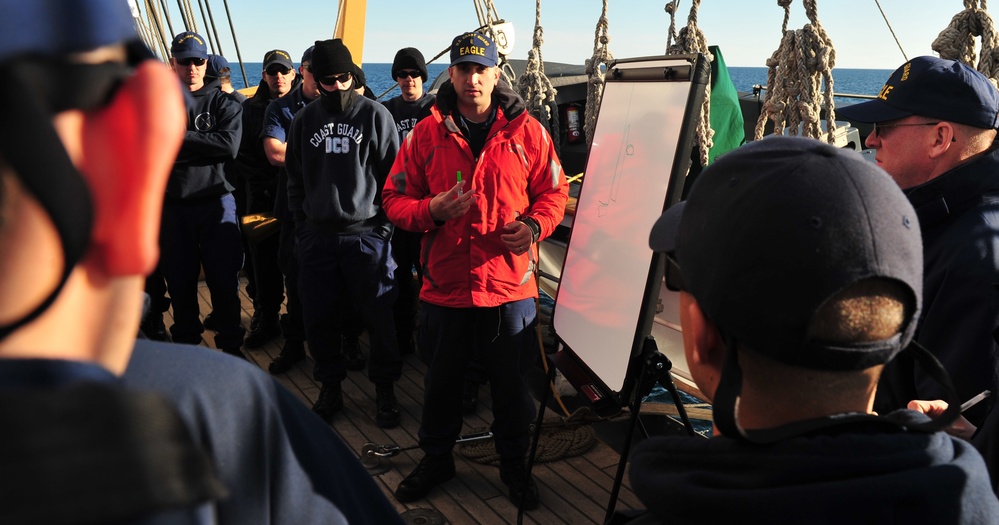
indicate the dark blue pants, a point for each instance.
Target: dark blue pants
{"x":338,"y":268}
{"x":406,"y":252}
{"x":264,"y":254}
{"x":204,"y":234}
{"x":503,"y":340}
{"x":292,"y":326}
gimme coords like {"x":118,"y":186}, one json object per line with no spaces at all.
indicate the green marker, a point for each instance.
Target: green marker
{"x":459,"y":182}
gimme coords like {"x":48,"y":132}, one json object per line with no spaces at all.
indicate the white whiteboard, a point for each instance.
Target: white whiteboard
{"x":599,"y":301}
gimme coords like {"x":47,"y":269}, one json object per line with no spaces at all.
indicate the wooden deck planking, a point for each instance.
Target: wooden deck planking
{"x":573,"y":490}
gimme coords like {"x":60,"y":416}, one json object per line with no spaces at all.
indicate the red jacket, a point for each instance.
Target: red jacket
{"x":517,"y":174}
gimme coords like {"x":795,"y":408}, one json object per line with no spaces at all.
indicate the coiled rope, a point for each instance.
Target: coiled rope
{"x":595,"y":81}
{"x":560,"y":439}
{"x":957,"y":41}
{"x":692,"y":40}
{"x":534,"y":86}
{"x":797,"y":69}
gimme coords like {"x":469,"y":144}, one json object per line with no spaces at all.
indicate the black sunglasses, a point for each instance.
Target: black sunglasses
{"x":408,"y":74}
{"x":189,"y":61}
{"x":333,"y":79}
{"x":274,"y":70}
{"x":307,"y":67}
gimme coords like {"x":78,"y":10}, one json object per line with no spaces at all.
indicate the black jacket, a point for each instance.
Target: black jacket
{"x":213,"y":132}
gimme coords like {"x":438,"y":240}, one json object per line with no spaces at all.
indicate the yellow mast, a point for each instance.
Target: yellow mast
{"x":350,"y":27}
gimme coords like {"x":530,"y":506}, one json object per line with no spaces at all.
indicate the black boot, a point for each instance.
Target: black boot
{"x":330,"y":401}
{"x":523,"y":490}
{"x":352,"y":353}
{"x":430,"y":472}
{"x":235,"y":352}
{"x":388,"y":410}
{"x":153,"y":328}
{"x":293,"y":352}
{"x":267,"y":328}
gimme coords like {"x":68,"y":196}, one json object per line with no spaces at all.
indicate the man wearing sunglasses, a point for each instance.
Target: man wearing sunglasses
{"x":339,"y":153}
{"x":409,"y":69}
{"x":200,"y":228}
{"x":935,"y":127}
{"x":277,"y":121}
{"x":260,"y":179}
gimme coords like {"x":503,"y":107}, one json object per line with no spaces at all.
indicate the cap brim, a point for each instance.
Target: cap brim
{"x":871,"y":111}
{"x":475,"y":59}
{"x":664,"y":231}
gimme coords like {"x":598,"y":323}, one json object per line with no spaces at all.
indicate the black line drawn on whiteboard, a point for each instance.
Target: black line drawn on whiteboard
{"x":627,"y":149}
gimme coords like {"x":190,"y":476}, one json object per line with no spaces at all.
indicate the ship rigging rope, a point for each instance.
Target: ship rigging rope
{"x":797,"y":69}
{"x":187,"y":13}
{"x":957,"y":40}
{"x":534,"y":86}
{"x":595,"y":82}
{"x":692,"y":40}
{"x":155,"y":19}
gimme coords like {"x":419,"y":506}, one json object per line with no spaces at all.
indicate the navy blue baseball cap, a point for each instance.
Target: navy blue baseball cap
{"x":474,"y":47}
{"x":307,"y":55}
{"x":189,"y":45}
{"x":216,"y":63}
{"x":931,"y":87}
{"x":54,"y":27}
{"x":775,"y":228}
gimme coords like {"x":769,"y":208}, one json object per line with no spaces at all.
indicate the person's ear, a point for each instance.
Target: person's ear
{"x":943,"y":137}
{"x":128,"y":149}
{"x":703,"y":345}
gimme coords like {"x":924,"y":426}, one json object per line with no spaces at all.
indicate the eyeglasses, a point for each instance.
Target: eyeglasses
{"x":879,"y":129}
{"x":331,"y":80}
{"x":408,"y":74}
{"x":307,"y":67}
{"x":274,"y":70}
{"x":191,"y":61}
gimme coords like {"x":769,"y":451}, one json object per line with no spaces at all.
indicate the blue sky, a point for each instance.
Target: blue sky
{"x":748,"y":31}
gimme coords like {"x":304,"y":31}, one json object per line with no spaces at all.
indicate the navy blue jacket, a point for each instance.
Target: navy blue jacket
{"x":337,"y":165}
{"x":859,"y":473}
{"x":76,"y":447}
{"x":959,"y":218}
{"x":280,"y":462}
{"x":214,"y":129}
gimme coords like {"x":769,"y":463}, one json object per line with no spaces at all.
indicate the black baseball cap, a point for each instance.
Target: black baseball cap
{"x":775,"y":228}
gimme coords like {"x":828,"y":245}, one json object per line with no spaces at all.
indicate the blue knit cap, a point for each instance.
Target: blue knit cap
{"x":53,"y":27}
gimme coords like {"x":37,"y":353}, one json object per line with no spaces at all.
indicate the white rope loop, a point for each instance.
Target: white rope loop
{"x":796,"y":71}
{"x":691,"y":40}
{"x":534,"y":86}
{"x":595,"y":82}
{"x":957,"y":40}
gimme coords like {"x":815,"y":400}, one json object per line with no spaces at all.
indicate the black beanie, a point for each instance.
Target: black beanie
{"x":331,"y":57}
{"x":409,"y":58}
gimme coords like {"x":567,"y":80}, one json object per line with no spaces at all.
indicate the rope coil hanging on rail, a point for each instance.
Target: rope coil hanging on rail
{"x":797,"y":69}
{"x":595,"y":82}
{"x":534,"y":86}
{"x":692,"y":40}
{"x":957,"y":40}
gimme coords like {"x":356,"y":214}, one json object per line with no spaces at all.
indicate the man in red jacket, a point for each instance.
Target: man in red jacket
{"x":481,"y":177}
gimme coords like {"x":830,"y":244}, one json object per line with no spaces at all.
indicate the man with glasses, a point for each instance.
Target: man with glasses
{"x":200,"y":228}
{"x":338,"y":156}
{"x":260,"y":178}
{"x":935,"y":127}
{"x":409,"y":69}
{"x":277,"y":121}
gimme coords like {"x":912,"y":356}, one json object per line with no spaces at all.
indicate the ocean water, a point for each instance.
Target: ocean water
{"x":378,"y":76}
{"x":845,"y":81}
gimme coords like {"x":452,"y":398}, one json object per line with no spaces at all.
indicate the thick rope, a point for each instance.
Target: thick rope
{"x":187,"y":13}
{"x":559,"y":439}
{"x":691,"y":40}
{"x":798,"y":68}
{"x":161,"y":37}
{"x":957,"y":41}
{"x":595,"y":81}
{"x":534,"y":86}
